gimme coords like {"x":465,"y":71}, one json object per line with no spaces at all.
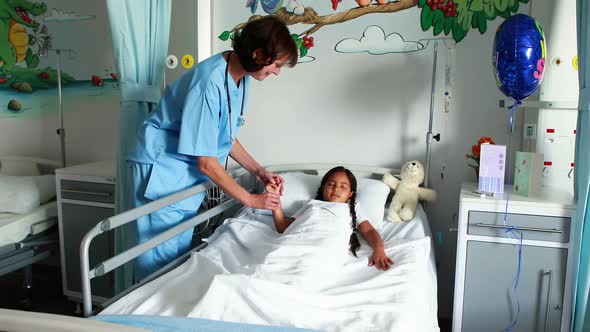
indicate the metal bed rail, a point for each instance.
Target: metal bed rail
{"x":126,"y":217}
{"x":131,"y":215}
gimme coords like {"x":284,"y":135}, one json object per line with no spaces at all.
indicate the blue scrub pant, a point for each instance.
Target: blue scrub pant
{"x":155,"y":223}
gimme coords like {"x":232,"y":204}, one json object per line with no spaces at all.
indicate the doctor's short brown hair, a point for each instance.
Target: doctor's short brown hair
{"x":271,"y":36}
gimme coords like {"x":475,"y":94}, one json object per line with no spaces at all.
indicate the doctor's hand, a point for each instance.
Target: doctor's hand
{"x":271,"y":178}
{"x":265,"y":201}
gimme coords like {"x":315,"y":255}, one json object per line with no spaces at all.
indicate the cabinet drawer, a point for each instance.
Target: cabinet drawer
{"x":88,"y":191}
{"x":488,"y":300}
{"x":541,"y":228}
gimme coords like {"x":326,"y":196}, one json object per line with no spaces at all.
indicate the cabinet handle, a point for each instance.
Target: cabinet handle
{"x":550,"y":273}
{"x":73,"y":191}
{"x":534,"y":229}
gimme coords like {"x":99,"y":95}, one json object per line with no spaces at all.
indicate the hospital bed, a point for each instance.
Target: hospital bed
{"x":207,"y":282}
{"x":31,"y":236}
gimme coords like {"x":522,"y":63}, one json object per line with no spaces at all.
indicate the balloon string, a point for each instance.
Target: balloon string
{"x":512,"y":231}
{"x":512,"y":109}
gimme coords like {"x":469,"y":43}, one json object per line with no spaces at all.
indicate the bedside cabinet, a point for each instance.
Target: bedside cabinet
{"x":85,"y":196}
{"x":487,"y":262}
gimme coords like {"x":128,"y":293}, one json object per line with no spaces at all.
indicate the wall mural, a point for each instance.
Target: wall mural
{"x":448,"y":17}
{"x":29,"y":56}
{"x":375,"y":42}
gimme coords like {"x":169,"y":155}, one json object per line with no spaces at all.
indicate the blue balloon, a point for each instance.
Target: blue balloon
{"x":519,"y":56}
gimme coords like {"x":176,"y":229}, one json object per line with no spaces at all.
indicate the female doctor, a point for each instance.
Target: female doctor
{"x":187,"y":138}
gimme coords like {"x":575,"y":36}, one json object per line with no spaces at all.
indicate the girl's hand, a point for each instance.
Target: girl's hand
{"x":273,"y":188}
{"x":270,"y":178}
{"x":380,"y":260}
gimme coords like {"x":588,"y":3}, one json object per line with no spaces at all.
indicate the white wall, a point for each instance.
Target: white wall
{"x":560,"y":83}
{"x":341,"y":107}
{"x":91,"y":130}
{"x":183,"y":34}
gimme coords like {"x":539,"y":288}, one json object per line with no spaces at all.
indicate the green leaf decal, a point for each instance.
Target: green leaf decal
{"x":458,"y":32}
{"x":426,"y":18}
{"x":476,"y":6}
{"x":448,"y":26}
{"x":224,"y":36}
{"x":302,"y":51}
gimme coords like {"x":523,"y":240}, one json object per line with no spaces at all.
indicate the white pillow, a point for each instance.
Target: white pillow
{"x":22,"y":194}
{"x":371,"y":196}
{"x":19,"y":167}
{"x":300,"y":187}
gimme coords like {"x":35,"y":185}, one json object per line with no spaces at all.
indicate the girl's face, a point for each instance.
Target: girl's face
{"x":337,"y":188}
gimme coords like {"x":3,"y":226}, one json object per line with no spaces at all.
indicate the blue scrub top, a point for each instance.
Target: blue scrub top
{"x":190,"y":120}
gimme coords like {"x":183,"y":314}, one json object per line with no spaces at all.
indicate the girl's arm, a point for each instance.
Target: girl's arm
{"x":278,"y":215}
{"x":379,"y":258}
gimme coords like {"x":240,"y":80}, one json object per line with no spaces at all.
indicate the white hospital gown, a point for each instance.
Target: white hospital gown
{"x":313,"y":248}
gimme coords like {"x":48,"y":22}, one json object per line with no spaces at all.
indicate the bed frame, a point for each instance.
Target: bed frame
{"x":34,"y":248}
{"x":222,"y":203}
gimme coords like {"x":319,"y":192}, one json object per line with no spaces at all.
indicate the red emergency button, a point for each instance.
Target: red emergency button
{"x":548,"y":163}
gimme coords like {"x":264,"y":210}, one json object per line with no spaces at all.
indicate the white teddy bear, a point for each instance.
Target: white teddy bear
{"x":407,"y":191}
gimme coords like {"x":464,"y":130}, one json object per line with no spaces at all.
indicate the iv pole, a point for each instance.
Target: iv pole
{"x":429,"y":135}
{"x":61,"y":132}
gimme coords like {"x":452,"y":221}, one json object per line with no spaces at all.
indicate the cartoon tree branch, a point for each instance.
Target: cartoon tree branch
{"x":454,"y":17}
{"x":311,"y":17}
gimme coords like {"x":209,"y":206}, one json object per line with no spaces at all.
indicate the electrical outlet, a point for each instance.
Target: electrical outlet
{"x":530,"y":131}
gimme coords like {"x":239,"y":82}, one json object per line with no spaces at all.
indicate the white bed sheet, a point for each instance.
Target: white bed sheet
{"x":417,"y":228}
{"x":215,"y":284}
{"x":16,"y":227}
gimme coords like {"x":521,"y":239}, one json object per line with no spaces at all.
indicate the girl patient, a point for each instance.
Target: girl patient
{"x":332,"y":212}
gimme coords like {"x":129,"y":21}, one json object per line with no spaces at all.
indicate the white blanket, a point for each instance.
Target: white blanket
{"x":251,"y":274}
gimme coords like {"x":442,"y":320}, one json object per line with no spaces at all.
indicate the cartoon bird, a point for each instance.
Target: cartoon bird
{"x":269,"y":6}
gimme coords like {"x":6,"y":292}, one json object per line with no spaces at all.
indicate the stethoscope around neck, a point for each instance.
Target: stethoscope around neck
{"x":241,"y":119}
